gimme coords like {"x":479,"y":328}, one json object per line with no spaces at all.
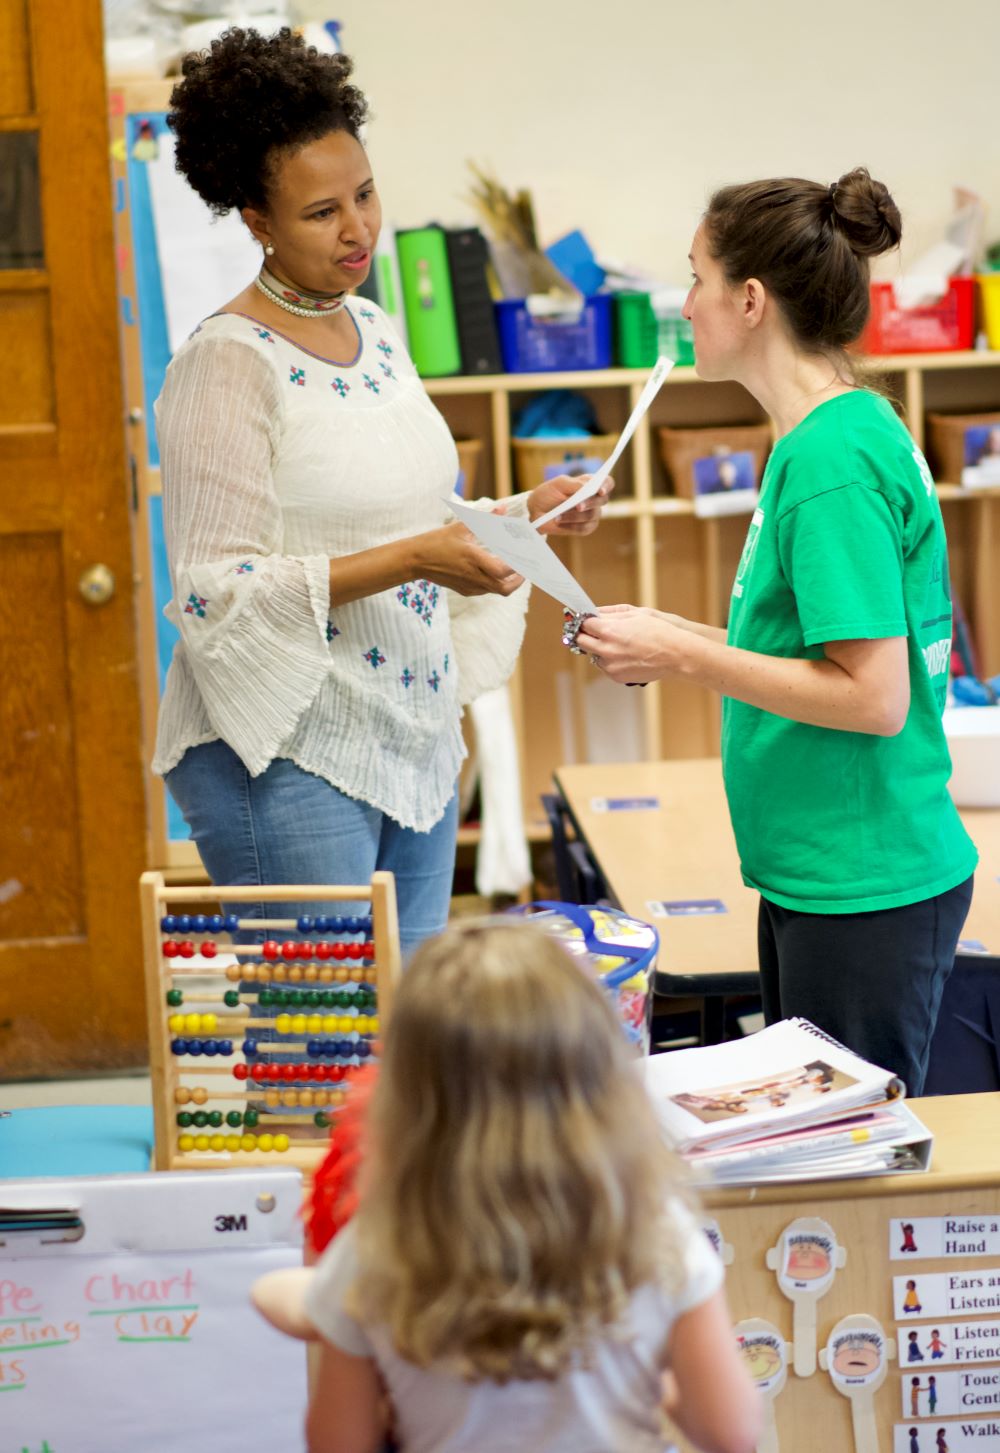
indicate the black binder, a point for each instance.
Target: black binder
{"x":477,"y":331}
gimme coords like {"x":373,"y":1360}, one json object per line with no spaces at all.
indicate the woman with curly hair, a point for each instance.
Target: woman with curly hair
{"x":834,"y":667}
{"x":332,"y":624}
{"x":521,"y":1270}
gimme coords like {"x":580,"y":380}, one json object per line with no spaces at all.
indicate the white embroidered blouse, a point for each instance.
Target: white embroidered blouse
{"x":274,"y":462}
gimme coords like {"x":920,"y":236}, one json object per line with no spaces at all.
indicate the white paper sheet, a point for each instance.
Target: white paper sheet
{"x":516,"y":541}
{"x":593,"y":484}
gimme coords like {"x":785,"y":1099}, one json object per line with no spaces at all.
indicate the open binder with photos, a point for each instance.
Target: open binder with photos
{"x":787,"y":1103}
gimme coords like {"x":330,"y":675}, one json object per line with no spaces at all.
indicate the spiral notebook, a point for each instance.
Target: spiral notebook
{"x":751,"y":1101}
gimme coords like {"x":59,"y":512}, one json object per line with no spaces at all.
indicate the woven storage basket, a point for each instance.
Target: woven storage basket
{"x":946,"y":442}
{"x":469,"y":451}
{"x":679,"y":448}
{"x":534,"y":457}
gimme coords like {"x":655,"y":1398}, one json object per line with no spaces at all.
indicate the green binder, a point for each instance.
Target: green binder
{"x":428,"y":301}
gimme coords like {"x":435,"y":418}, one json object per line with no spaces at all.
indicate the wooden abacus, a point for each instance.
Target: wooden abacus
{"x":213,"y":1049}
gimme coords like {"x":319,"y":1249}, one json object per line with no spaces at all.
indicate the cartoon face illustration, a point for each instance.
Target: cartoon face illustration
{"x":856,"y":1357}
{"x":762,"y":1358}
{"x":808,"y":1258}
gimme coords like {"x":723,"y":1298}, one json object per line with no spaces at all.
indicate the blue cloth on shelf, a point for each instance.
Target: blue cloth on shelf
{"x":72,"y":1140}
{"x":556,"y":414}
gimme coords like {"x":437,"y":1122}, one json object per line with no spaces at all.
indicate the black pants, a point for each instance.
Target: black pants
{"x":872,"y":980}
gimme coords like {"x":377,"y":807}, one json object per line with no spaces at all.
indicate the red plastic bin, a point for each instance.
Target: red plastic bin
{"x":942,"y":327}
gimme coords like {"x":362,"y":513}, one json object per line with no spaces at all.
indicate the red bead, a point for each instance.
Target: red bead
{"x":186,"y":949}
{"x":305,"y":950}
{"x":369,"y":951}
{"x":171,"y":949}
{"x":289,"y":1072}
{"x":241,"y":1071}
{"x":323,"y":950}
{"x":274,"y":1072}
{"x":270,"y":949}
{"x":336,"y":1072}
{"x":259,"y":1072}
{"x":356,"y":950}
{"x":340,"y":950}
{"x":208,"y":950}
{"x":289,"y":950}
{"x":320,"y":1072}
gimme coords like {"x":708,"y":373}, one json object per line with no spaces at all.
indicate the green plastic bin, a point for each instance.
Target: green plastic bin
{"x":648,"y":325}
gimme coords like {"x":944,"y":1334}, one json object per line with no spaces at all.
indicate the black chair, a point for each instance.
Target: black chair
{"x":965,"y":1050}
{"x":577,"y":875}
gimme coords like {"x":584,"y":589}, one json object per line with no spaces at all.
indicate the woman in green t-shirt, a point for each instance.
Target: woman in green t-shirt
{"x":834,"y":666}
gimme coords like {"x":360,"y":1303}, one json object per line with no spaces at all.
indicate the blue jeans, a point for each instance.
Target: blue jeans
{"x":288,"y":826}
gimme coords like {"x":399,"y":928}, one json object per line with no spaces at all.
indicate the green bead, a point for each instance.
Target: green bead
{"x":231,"y":998}
{"x":322,"y":1119}
{"x":251,"y":1118}
{"x":313,"y":999}
{"x":234,"y":1118}
{"x":200,"y":1119}
{"x":174,"y":997}
{"x":264,"y":998}
{"x":215,"y":1118}
{"x":184,"y":1119}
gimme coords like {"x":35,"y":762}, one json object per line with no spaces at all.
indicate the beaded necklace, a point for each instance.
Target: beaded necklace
{"x":302,"y":304}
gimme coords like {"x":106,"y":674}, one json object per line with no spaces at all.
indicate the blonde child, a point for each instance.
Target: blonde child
{"x":521,"y":1273}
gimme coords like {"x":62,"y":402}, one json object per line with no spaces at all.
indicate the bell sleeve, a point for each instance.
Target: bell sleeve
{"x":252,"y":619}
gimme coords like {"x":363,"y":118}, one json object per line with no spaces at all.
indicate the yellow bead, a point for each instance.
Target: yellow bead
{"x":306,"y":1098}
{"x":310,"y":973}
{"x":192,"y":1023}
{"x":330,"y":1023}
{"x":373,"y":1024}
{"x":232,"y":1142}
{"x":280,"y":973}
{"x":294,"y":974}
{"x":358,"y":975}
{"x":283,"y":1023}
{"x":340,"y":974}
{"x":201,"y":1142}
{"x":209,"y":1022}
{"x":361,"y":1024}
{"x":175,"y":1023}
{"x":234,"y":973}
{"x":181,"y":1095}
{"x":326,"y":974}
{"x":186,"y":1142}
{"x":298,"y":1024}
{"x":248,"y":1142}
{"x":199,"y":1095}
{"x":272,"y":1097}
{"x":281,"y":1142}
{"x":314,"y":1023}
{"x":322,"y":1097}
{"x":218,"y":1142}
{"x":265,"y":1142}
{"x":249,"y":972}
{"x":290,"y":1098}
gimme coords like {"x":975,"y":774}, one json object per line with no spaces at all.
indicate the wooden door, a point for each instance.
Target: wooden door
{"x":71,"y":798}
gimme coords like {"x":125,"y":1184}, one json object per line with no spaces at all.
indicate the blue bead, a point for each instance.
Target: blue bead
{"x":194,"y":1047}
{"x":367,"y":924}
{"x":344,"y":1047}
{"x":232,"y":922}
{"x":210,"y":1046}
{"x":249,"y":1047}
{"x":216,"y":923}
{"x":183,"y":923}
{"x":336,"y":924}
{"x":225,"y":1046}
{"x":178,"y":1046}
{"x":362,"y":1049}
{"x":353,"y":924}
{"x":199,"y":923}
{"x":321,"y":924}
{"x":168,"y":923}
{"x":305,"y":924}
{"x":314,"y":1048}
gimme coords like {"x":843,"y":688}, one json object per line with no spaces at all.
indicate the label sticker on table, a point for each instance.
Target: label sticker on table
{"x":979,"y":1437}
{"x":948,"y":1343}
{"x":686,"y":907}
{"x":624,"y":804}
{"x":944,"y":1394}
{"x":944,"y":1293}
{"x":944,"y":1236}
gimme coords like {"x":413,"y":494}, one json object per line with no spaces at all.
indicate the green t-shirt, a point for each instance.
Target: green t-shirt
{"x":847,"y":544}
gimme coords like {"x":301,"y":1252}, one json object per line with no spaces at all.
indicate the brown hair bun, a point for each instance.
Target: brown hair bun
{"x":864,"y":211}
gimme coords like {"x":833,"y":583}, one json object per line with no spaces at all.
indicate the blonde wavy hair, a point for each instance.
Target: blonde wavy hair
{"x":517,"y":1181}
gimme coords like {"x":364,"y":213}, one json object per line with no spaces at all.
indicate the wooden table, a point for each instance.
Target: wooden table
{"x":682,"y":851}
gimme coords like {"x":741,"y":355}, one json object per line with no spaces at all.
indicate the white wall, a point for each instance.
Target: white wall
{"x":621,"y":115}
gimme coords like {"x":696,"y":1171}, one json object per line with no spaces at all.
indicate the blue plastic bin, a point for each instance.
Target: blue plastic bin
{"x":550,"y":345}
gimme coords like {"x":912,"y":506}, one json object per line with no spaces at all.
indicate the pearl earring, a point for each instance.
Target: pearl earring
{"x":269,"y":249}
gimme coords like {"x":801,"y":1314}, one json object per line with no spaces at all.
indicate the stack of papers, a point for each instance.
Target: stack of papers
{"x":787,"y":1104}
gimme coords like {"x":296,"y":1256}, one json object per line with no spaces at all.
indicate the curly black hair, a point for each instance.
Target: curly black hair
{"x":249,"y":98}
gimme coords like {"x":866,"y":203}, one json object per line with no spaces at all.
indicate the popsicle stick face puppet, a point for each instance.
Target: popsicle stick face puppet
{"x":722,"y":1248}
{"x":806,"y":1259}
{"x":857,"y":1357}
{"x":765,"y":1353}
